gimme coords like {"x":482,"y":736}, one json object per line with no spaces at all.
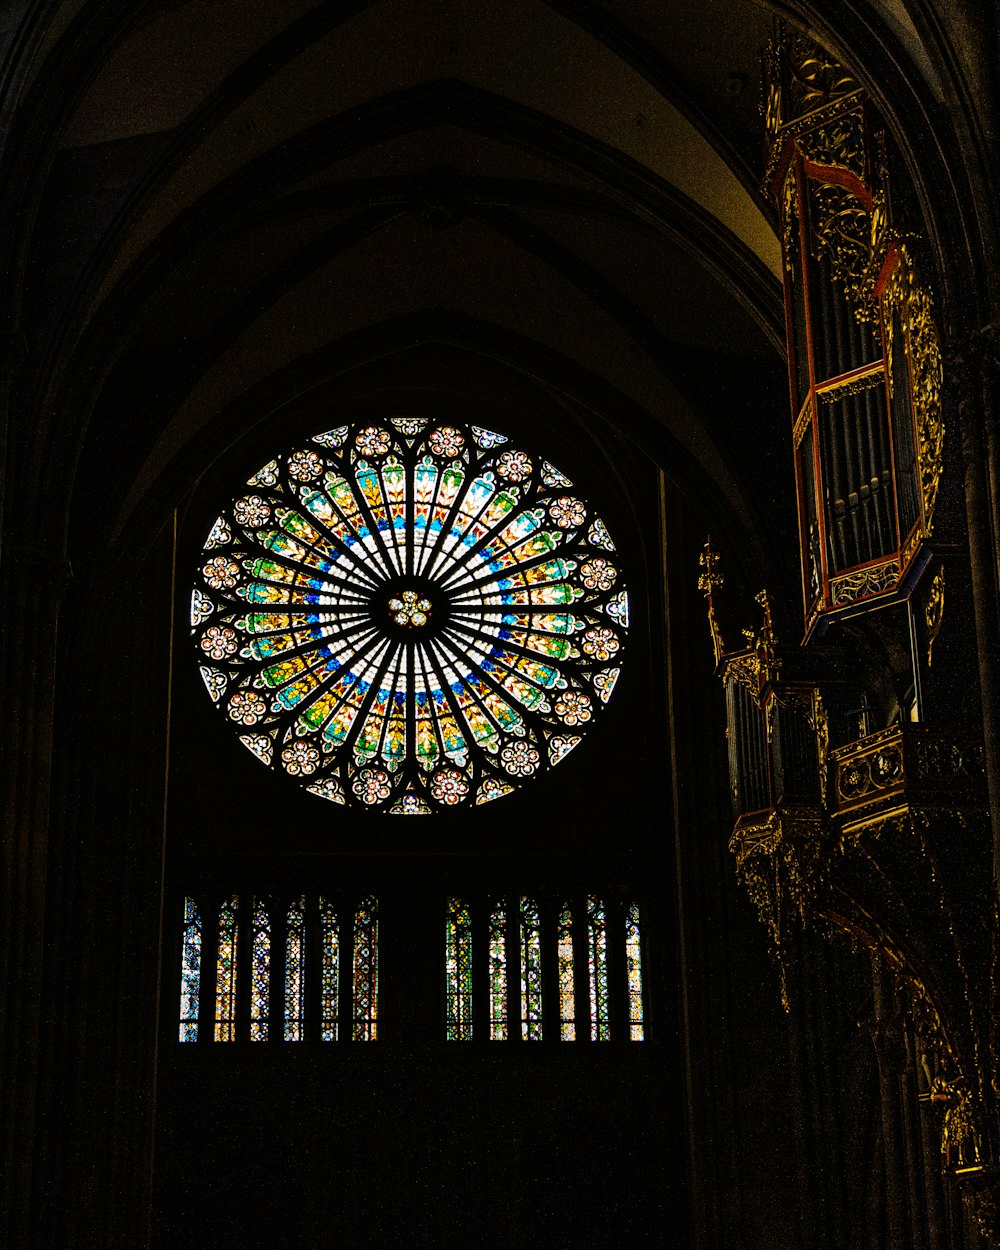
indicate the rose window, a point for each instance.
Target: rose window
{"x":409,"y":616}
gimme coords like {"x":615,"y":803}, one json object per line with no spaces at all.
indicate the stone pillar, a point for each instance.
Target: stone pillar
{"x":973,"y":368}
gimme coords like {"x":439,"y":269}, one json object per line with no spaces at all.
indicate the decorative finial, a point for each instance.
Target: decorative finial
{"x":707,"y":582}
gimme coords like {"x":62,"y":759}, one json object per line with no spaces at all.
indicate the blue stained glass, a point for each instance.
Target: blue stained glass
{"x":190,"y":972}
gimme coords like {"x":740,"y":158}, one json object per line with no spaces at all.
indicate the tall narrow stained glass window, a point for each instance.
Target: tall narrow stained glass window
{"x":190,"y":972}
{"x":458,"y":971}
{"x":330,"y":957}
{"x":531,"y":971}
{"x":567,"y":985}
{"x":498,"y":972}
{"x":597,"y":970}
{"x":408,"y":616}
{"x":225,"y":971}
{"x":295,"y":959}
{"x":633,"y":963}
{"x":366,"y":971}
{"x":260,"y":989}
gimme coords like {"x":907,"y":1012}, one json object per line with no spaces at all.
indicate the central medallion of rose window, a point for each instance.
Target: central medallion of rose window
{"x":410,"y":609}
{"x":410,"y":616}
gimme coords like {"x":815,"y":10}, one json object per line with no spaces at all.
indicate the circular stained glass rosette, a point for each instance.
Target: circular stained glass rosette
{"x":410,"y":616}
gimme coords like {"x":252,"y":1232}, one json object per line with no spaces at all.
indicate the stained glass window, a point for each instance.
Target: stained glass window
{"x":366,"y":971}
{"x":633,"y":961}
{"x":567,"y":986}
{"x":410,"y":616}
{"x":190,"y":972}
{"x":458,"y":971}
{"x":330,"y":956}
{"x":498,"y":973}
{"x":260,"y":989}
{"x":597,"y":970}
{"x":225,"y":971}
{"x":295,"y":959}
{"x":531,"y":971}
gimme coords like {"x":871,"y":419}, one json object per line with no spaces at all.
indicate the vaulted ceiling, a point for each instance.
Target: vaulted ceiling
{"x":231,"y":208}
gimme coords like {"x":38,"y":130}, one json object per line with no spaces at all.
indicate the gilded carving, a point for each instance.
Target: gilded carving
{"x":832,"y":392}
{"x":861,"y":583}
{"x":905,"y":294}
{"x":934,"y":611}
{"x":707,"y":583}
{"x":790,"y":220}
{"x":839,"y":143}
{"x":866,"y":775}
{"x":820,"y":724}
{"x":841,"y":233}
{"x":816,"y":78}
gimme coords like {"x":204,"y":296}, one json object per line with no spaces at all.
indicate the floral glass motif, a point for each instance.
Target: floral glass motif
{"x":633,"y":963}
{"x":190,"y":972}
{"x":531,"y":971}
{"x":458,"y":971}
{"x":597,"y":970}
{"x":366,"y":971}
{"x":330,"y":974}
{"x":567,"y":988}
{"x":225,"y":971}
{"x":407,"y":616}
{"x":260,"y":988}
{"x":295,"y":958}
{"x":498,"y":973}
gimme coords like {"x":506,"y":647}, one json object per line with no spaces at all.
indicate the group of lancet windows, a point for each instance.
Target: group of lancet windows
{"x":573,"y":967}
{"x":306,"y":960}
{"x":254,"y":969}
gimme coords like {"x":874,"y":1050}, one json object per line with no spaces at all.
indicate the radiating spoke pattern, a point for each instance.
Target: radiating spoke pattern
{"x":410,"y":616}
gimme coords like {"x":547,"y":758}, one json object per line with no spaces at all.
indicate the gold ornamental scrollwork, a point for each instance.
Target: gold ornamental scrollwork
{"x":863,"y":582}
{"x":790,"y":219}
{"x":934,"y":611}
{"x":839,"y":143}
{"x":832,"y":392}
{"x":841,"y":235}
{"x":708,"y":582}
{"x":819,"y":722}
{"x":905,"y":294}
{"x":815,"y":77}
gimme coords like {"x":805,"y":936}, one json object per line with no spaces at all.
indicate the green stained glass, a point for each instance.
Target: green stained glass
{"x":366,"y":971}
{"x":567,"y":988}
{"x":260,"y":988}
{"x":295,"y":958}
{"x":597,"y":970}
{"x":410,"y":616}
{"x":498,"y":973}
{"x":190,"y":972}
{"x":633,"y":963}
{"x":330,"y":955}
{"x":458,"y":972}
{"x":531,"y":971}
{"x":225,"y":971}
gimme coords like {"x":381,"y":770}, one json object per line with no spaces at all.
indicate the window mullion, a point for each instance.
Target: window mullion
{"x":209,"y":967}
